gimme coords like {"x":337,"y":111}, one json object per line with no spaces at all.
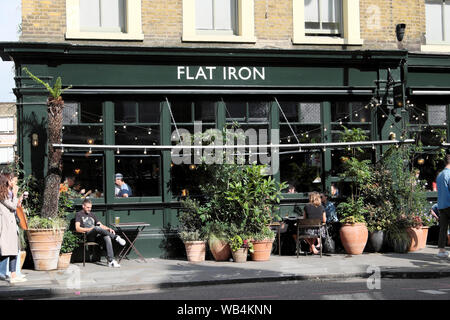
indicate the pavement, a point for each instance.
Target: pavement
{"x":137,"y":275}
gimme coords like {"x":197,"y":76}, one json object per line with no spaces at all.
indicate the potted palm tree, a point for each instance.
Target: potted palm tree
{"x":46,"y":231}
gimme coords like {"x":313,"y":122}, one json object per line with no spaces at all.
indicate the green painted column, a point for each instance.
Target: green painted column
{"x":326,"y":137}
{"x":109,"y":139}
{"x":274,"y":124}
{"x":166,"y":160}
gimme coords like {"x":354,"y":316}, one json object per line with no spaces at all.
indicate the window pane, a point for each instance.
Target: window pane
{"x":91,"y":111}
{"x":310,"y":113}
{"x":149,"y":111}
{"x":302,"y":170}
{"x":339,"y":111}
{"x":6,"y":155}
{"x":125,"y":111}
{"x":87,"y":169}
{"x":447,"y":21}
{"x":204,"y":14}
{"x":181,"y":110}
{"x":70,"y":113}
{"x":236,"y":109}
{"x":137,"y":135}
{"x":290,"y":109}
{"x":205,"y":111}
{"x":6,"y":124}
{"x":436,"y":114}
{"x":141,"y":172}
{"x":89,"y":14}
{"x":112,"y":15}
{"x":311,"y":10}
{"x":433,"y":13}
{"x":330,"y":10}
{"x":258,"y":111}
{"x":223,"y":14}
{"x":83,"y":134}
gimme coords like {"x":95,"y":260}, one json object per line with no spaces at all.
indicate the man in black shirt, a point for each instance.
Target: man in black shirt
{"x":87,"y":222}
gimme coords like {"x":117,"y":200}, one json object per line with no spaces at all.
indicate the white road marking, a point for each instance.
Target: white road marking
{"x":432,"y":291}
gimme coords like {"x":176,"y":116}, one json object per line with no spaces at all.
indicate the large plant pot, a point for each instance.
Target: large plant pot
{"x":220,"y":249}
{"x":23,"y":255}
{"x":240,"y":255}
{"x":64,"y":260}
{"x":261,"y":250}
{"x":195,"y":250}
{"x":44,"y":246}
{"x":376,"y":239}
{"x":354,"y":237}
{"x":423,"y":242}
{"x":416,"y":238}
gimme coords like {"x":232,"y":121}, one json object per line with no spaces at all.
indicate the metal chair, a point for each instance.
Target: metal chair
{"x":309,"y":224}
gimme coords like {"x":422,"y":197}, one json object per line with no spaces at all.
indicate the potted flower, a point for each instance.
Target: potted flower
{"x":191,"y":231}
{"x":240,"y":248}
{"x":69,"y":244}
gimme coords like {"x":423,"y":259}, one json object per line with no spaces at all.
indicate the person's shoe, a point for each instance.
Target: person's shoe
{"x":17,"y":279}
{"x":442,"y":254}
{"x":113,"y":264}
{"x":120,"y":240}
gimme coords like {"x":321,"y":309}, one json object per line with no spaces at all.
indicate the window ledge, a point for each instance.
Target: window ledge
{"x":435,"y":48}
{"x":327,"y":41}
{"x":104,"y":36}
{"x":218,"y":38}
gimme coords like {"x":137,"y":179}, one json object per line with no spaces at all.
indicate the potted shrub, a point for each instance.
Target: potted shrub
{"x":377,"y":220}
{"x":240,"y":248}
{"x":397,"y":238}
{"x":262,"y":244}
{"x":191,"y":231}
{"x":427,"y":222}
{"x":414,"y":231}
{"x":70,"y":242}
{"x":217,"y":235}
{"x":45,"y":232}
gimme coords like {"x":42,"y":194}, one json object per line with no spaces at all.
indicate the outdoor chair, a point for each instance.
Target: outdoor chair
{"x":308,"y":224}
{"x":86,"y":244}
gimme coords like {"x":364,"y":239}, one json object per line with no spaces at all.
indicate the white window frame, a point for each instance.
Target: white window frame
{"x":133,"y":23}
{"x":435,"y":46}
{"x":245,"y":22}
{"x":8,"y":155}
{"x":351,"y":34}
{"x":4,"y":130}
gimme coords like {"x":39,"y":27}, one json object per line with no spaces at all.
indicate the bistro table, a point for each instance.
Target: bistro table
{"x":130,"y":227}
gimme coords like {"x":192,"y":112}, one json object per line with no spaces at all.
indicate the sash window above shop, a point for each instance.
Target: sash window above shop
{"x":437,"y":14}
{"x":7,"y":125}
{"x":216,"y":16}
{"x":323,"y":17}
{"x":102,"y":15}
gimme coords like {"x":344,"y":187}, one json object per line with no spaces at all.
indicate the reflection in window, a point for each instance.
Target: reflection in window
{"x":141,"y":171}
{"x":139,"y":135}
{"x":83,"y":134}
{"x":87,"y":169}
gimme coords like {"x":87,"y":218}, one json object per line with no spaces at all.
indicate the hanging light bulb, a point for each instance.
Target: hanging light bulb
{"x":145,"y":151}
{"x":118,"y":151}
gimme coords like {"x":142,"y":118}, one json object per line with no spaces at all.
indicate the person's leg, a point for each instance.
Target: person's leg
{"x":109,"y":249}
{"x":443,"y":229}
{"x":107,"y":236}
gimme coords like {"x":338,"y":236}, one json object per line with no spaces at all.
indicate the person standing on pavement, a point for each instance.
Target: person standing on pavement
{"x":9,"y":232}
{"x":443,"y":189}
{"x":87,"y":222}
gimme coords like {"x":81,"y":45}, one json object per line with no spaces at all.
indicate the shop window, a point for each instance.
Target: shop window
{"x":141,"y":171}
{"x":244,"y":111}
{"x":104,"y":19}
{"x":428,"y":123}
{"x":437,"y":15}
{"x":326,"y":22}
{"x":350,"y":115}
{"x":218,"y":20}
{"x":87,"y":170}
{"x":83,"y":122}
{"x":219,"y":16}
{"x":323,"y":17}
{"x":302,"y":170}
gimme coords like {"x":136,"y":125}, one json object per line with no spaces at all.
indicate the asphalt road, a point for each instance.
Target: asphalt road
{"x":350,"y":289}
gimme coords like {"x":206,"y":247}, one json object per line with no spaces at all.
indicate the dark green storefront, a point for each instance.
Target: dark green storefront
{"x":121,"y":96}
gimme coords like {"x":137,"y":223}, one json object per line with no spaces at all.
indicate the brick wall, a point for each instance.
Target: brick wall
{"x":45,"y":20}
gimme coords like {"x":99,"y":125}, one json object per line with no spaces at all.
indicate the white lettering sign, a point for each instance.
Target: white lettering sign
{"x":228,"y":73}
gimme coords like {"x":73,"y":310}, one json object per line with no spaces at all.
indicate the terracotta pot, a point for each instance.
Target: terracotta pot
{"x":423,"y":242}
{"x":195,"y":250}
{"x":64,"y":260}
{"x":415,"y":234}
{"x":354,"y":237}
{"x":261,"y":250}
{"x":23,"y":255}
{"x":240,"y":255}
{"x":44,"y":246}
{"x":220,"y":249}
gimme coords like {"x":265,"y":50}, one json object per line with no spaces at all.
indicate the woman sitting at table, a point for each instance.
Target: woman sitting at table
{"x":314,"y":210}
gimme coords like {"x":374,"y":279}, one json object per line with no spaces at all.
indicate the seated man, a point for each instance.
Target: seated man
{"x":87,"y":222}
{"x":122,"y":190}
{"x":330,"y":209}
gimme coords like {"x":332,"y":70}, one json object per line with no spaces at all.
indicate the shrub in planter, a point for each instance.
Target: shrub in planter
{"x":262,"y":244}
{"x":353,"y":232}
{"x":69,"y":244}
{"x":398,"y":239}
{"x":240,"y":248}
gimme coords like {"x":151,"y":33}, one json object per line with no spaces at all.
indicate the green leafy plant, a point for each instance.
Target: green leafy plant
{"x":352,"y":211}
{"x":237,"y":243}
{"x":191,"y":225}
{"x":56,"y":91}
{"x":70,"y":242}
